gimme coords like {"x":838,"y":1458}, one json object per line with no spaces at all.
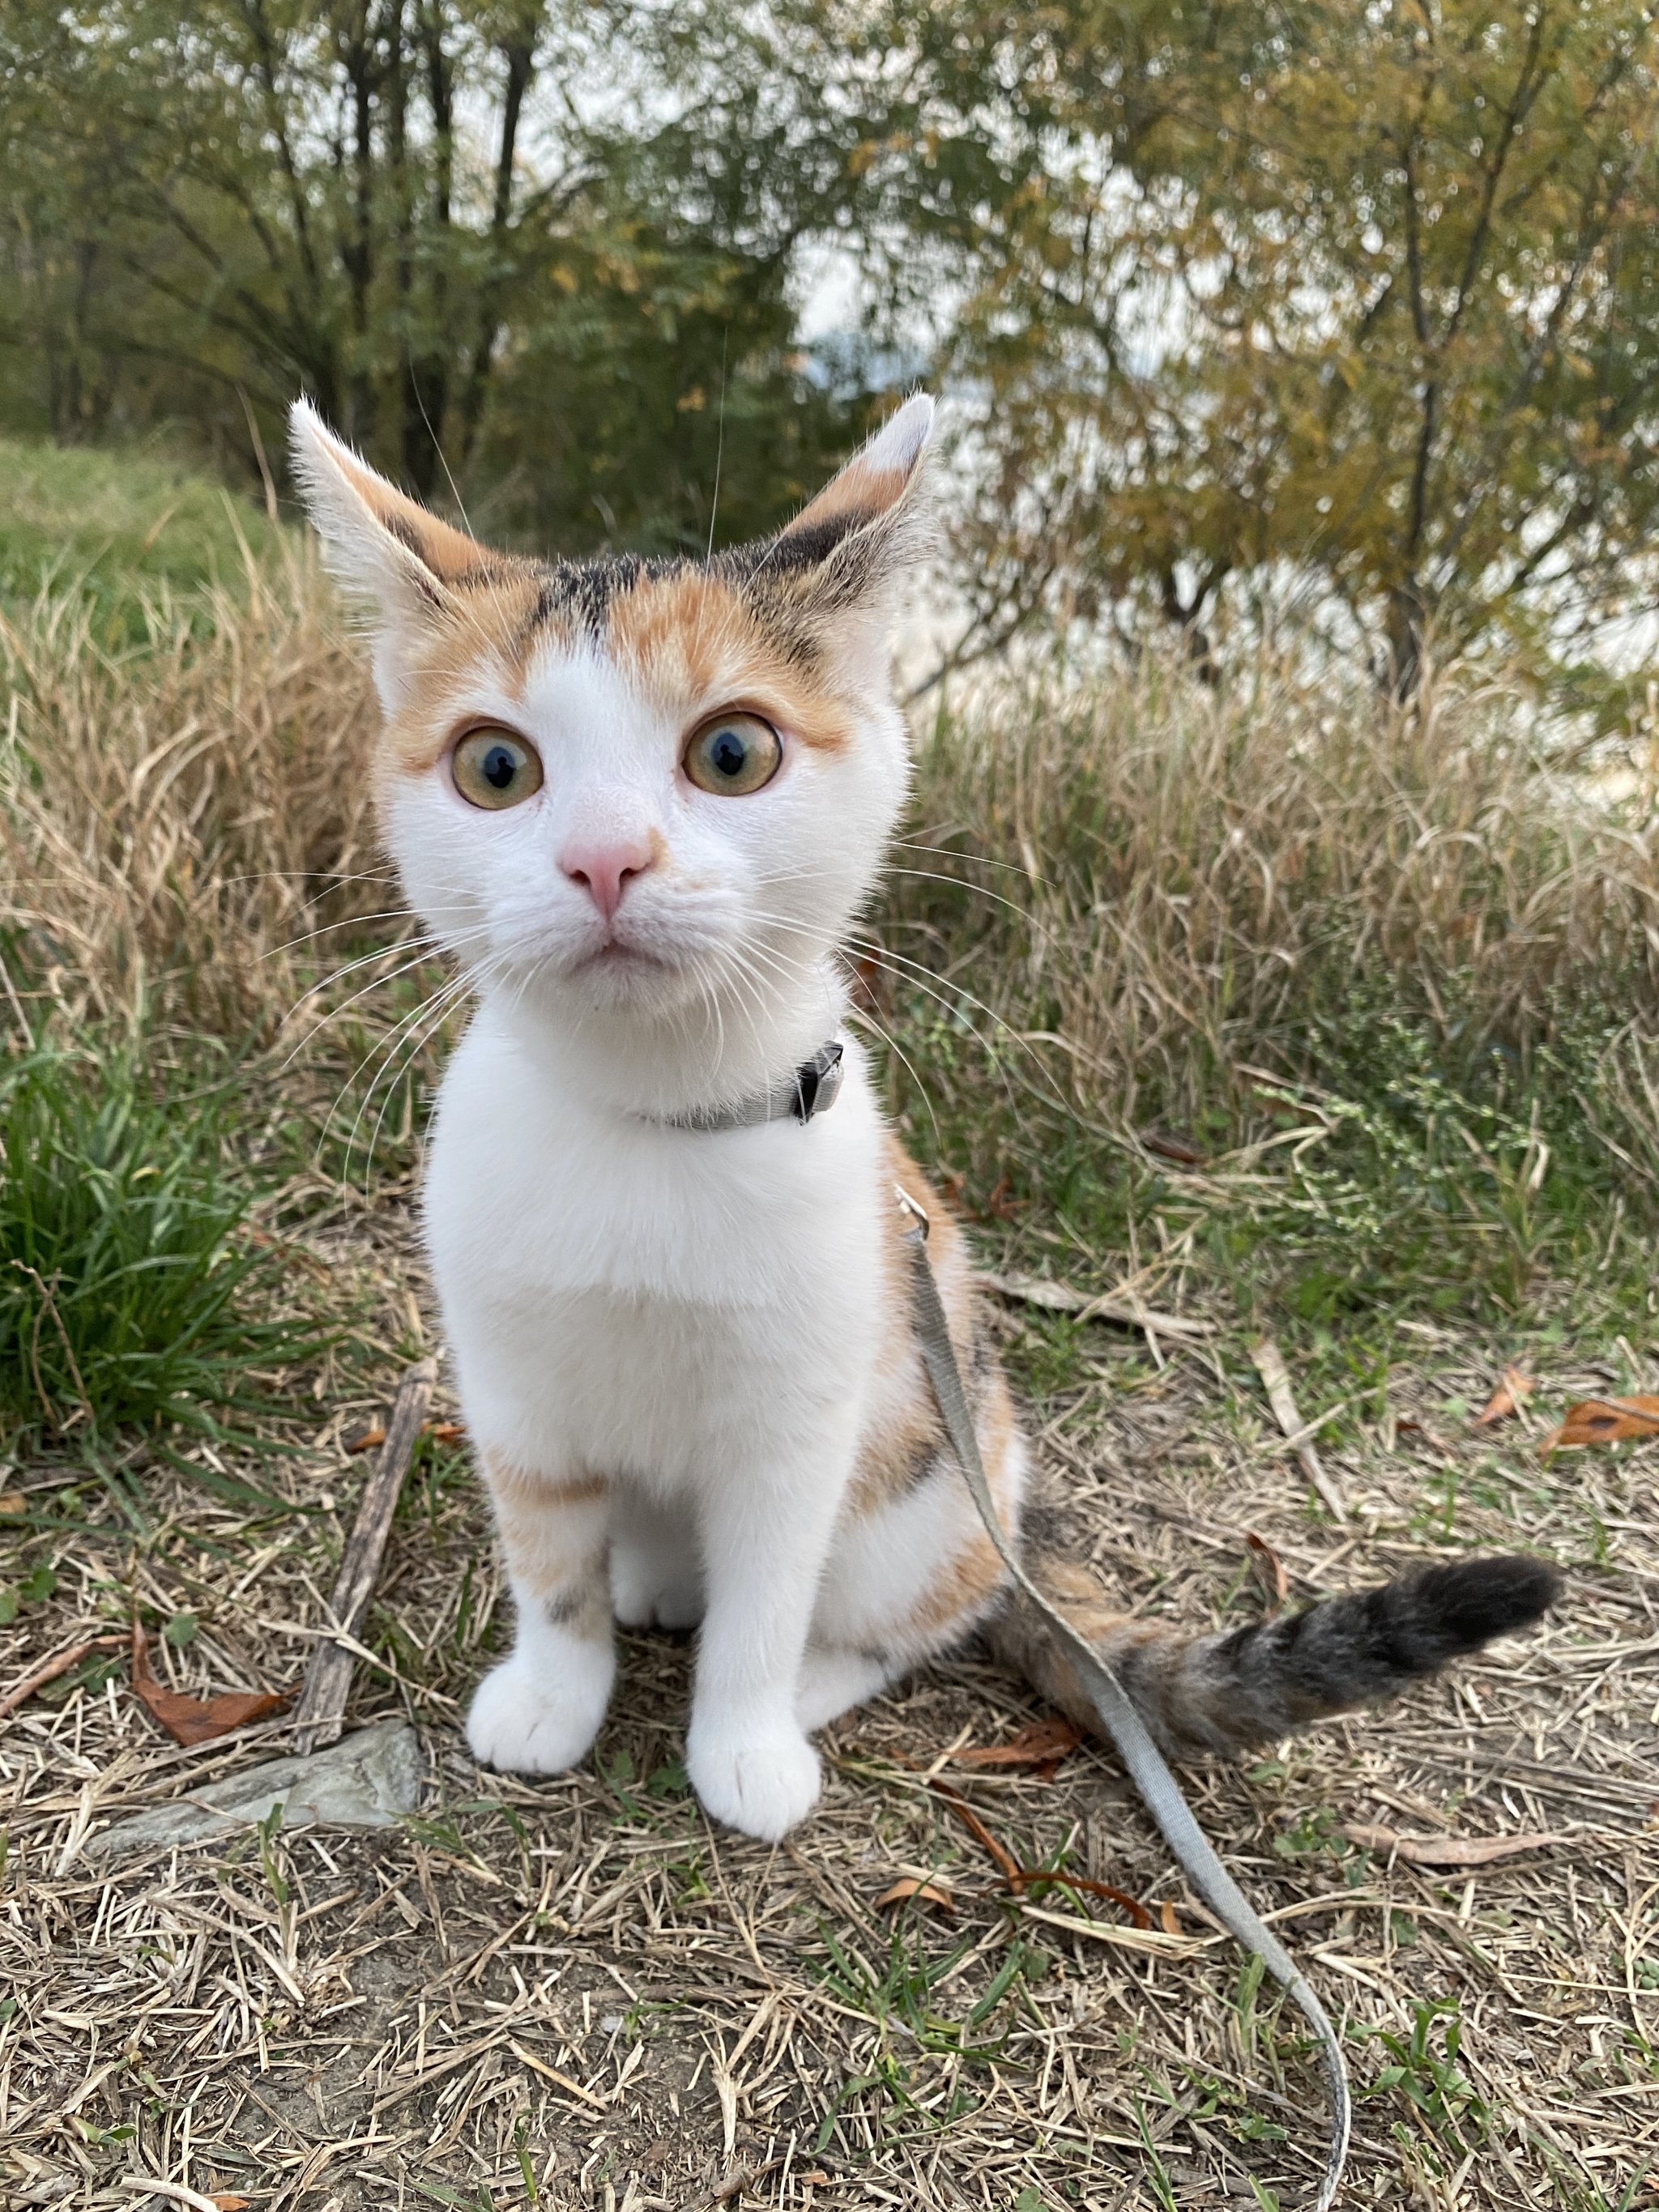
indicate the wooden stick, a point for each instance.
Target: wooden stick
{"x":50,"y":1669}
{"x":321,"y":1709}
{"x":1276,"y":1379}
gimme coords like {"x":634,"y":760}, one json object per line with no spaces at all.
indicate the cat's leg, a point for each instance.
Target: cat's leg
{"x":835,"y":1677}
{"x":766,"y":1531}
{"x":656,"y":1575}
{"x":540,"y":1710}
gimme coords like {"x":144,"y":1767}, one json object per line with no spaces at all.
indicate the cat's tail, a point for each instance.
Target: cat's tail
{"x":1216,"y":1694}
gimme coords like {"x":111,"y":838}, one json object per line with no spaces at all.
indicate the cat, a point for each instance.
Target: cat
{"x":639,"y":801}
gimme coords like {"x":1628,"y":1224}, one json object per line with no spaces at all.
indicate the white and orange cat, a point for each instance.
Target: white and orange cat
{"x":641,"y":802}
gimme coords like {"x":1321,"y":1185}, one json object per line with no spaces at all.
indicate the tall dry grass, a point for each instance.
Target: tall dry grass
{"x":180,"y":820}
{"x":1159,"y":885}
{"x":1172,"y":883}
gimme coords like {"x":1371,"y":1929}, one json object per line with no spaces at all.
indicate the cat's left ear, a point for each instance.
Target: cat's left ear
{"x":868,"y":527}
{"x":399,"y":561}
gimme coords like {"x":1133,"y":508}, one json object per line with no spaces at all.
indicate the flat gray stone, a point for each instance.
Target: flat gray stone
{"x":369,"y":1780}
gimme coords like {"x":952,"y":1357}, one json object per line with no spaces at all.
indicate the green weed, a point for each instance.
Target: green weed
{"x":1424,"y":2071}
{"x":132,"y":1288}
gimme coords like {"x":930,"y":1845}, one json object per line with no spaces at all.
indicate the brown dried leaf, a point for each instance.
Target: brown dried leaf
{"x":13,"y":1501}
{"x":367,"y":1441}
{"x":444,"y":1432}
{"x":1510,"y":1394}
{"x":227,"y":2202}
{"x":192,"y":1720}
{"x":1603,"y":1421}
{"x":923,"y":1892}
{"x":1165,"y":1146}
{"x":1006,"y":1864}
{"x":1447,"y":1850}
{"x":1041,"y":1746}
{"x":1168,"y":1920}
{"x":1269,"y":1570}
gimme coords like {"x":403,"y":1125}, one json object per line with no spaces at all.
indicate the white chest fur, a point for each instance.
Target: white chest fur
{"x":638,"y":1300}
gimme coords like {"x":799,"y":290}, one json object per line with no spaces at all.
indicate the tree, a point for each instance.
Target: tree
{"x":366,"y":200}
{"x":1353,"y":306}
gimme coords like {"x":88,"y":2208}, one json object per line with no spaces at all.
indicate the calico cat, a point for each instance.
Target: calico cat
{"x":639,"y":801}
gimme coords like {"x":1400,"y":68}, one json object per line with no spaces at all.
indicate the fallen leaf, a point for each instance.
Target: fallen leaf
{"x":1001,"y":1204}
{"x":1269,"y":1572}
{"x":226,"y":2202}
{"x":192,"y":1720}
{"x":13,"y":1501}
{"x":1039,"y":1747}
{"x":1168,"y":1919}
{"x":367,"y":1441}
{"x":444,"y":1432}
{"x":1515,"y":1388}
{"x":1019,"y":1879}
{"x":1447,"y":1850}
{"x":1603,"y":1421}
{"x":924,"y":1892}
{"x":1032,"y":1877}
{"x":1164,"y":1146}
{"x":1007,"y":1865}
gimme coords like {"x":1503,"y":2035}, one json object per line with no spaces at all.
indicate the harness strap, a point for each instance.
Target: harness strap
{"x":1140,"y":1753}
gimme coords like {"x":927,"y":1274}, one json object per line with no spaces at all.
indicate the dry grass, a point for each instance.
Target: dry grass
{"x":1180,"y":881}
{"x":706,"y":2020}
{"x":177,"y":819}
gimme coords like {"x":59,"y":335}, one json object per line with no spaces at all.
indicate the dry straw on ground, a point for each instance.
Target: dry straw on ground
{"x":577,"y":1987}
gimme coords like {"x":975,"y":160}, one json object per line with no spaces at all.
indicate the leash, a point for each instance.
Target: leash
{"x":1147,"y":1767}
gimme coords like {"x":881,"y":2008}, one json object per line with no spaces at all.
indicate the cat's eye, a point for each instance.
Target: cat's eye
{"x":732,"y":755}
{"x":494,"y":769}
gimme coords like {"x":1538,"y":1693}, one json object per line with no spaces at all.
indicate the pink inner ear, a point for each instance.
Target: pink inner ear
{"x":859,"y":489}
{"x":874,"y":479}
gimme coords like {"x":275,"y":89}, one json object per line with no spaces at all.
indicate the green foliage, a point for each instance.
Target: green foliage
{"x":128,"y":1273}
{"x":555,"y":312}
{"x":123,"y":531}
{"x":1422,"y":2068}
{"x":1366,"y":296}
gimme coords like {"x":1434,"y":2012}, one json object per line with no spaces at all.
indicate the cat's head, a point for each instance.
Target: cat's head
{"x":645,"y":794}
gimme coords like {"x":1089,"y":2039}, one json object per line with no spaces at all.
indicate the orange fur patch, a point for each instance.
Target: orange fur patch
{"x":692,"y":645}
{"x":446,"y":552}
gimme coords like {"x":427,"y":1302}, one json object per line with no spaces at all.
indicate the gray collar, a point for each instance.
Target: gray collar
{"x":808,"y":1090}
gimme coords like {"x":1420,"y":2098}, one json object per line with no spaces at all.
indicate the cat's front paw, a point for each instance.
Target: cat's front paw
{"x":522,"y":1723}
{"x":761,"y":1780}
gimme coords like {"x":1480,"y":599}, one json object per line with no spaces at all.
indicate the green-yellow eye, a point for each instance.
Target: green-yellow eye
{"x":732,"y":755}
{"x":492,"y":768}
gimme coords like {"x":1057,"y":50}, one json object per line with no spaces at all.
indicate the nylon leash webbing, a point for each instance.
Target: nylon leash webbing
{"x":1140,"y":1753}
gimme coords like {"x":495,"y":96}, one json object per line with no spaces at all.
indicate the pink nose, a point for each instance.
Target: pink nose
{"x":604,"y":872}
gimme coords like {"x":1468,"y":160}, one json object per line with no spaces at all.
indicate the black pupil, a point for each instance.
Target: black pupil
{"x":499,"y":768}
{"x":729,"y":753}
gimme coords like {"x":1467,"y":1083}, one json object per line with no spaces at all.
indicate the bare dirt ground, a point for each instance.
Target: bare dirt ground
{"x":576,"y":1993}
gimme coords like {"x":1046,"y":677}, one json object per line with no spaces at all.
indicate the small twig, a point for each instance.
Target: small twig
{"x":174,"y":2190}
{"x":321,"y":1709}
{"x":1019,"y":1879}
{"x":1110,"y":1305}
{"x":1276,"y":1379}
{"x":50,"y":1669}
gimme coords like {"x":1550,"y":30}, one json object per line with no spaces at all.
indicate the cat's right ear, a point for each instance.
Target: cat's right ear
{"x":398,"y":560}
